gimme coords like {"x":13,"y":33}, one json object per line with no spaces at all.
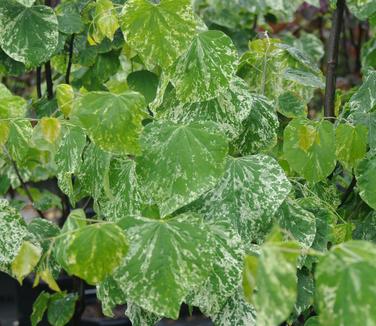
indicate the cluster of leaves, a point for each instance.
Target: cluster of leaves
{"x":209,"y":183}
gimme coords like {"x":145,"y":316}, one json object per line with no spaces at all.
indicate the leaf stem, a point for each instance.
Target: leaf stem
{"x":332,"y":61}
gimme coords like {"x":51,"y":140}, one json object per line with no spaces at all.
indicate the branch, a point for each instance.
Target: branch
{"x":50,"y":85}
{"x":69,"y":66}
{"x":39,"y":81}
{"x":334,"y":39}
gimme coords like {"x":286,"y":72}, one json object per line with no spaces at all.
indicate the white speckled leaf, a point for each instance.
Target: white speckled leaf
{"x":346,"y":286}
{"x":112,"y":121}
{"x":276,"y":280}
{"x":366,"y":178}
{"x":248,"y":195}
{"x":236,"y":311}
{"x":351,"y":144}
{"x":259,"y":130}
{"x":225,"y":278}
{"x":139,"y":316}
{"x":309,"y":148}
{"x":69,"y":153}
{"x":180,"y":162}
{"x":28,"y":34}
{"x":158,"y":32}
{"x":206,"y":69}
{"x":364,"y":100}
{"x":300,"y":223}
{"x":167,"y":259}
{"x":93,"y":171}
{"x":89,"y":251}
{"x":121,"y":196}
{"x":228,"y":110}
{"x":362,"y":9}
{"x":110,"y":294}
{"x":13,"y":231}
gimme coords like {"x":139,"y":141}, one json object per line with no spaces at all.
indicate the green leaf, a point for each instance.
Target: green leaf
{"x":65,"y":97}
{"x":69,"y":18}
{"x":362,"y":9}
{"x":351,"y":144}
{"x":225,"y":277}
{"x":112,"y":121}
{"x":364,"y":100}
{"x":89,"y":252}
{"x":139,"y":316}
{"x":236,"y":311}
{"x":366,"y":178}
{"x":306,"y":290}
{"x":298,"y":222}
{"x":39,"y":308}
{"x":313,"y":321}
{"x":26,"y":260}
{"x":29,"y":34}
{"x":346,"y":273}
{"x":158,"y":32}
{"x":309,"y":147}
{"x":4,"y":133}
{"x":206,"y":69}
{"x":144,"y":82}
{"x":167,"y":259}
{"x":276,"y":281}
{"x":11,"y":106}
{"x":13,"y":231}
{"x":259,"y":130}
{"x":229,"y":110}
{"x":61,"y":308}
{"x":93,"y":171}
{"x":249,"y":212}
{"x":121,"y":196}
{"x":105,"y":20}
{"x":180,"y":162}
{"x":110,"y":294}
{"x":282,"y":73}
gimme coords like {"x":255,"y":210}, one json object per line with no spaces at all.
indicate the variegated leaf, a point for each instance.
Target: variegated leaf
{"x":206,"y":69}
{"x":167,"y":259}
{"x":180,"y":162}
{"x":309,"y":147}
{"x":346,"y":286}
{"x":366,"y":177}
{"x":29,"y":34}
{"x":248,"y":195}
{"x":158,"y":32}
{"x":112,"y":121}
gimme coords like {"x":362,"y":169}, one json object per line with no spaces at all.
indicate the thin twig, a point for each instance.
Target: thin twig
{"x":70,"y":56}
{"x":332,"y":62}
{"x":26,"y":189}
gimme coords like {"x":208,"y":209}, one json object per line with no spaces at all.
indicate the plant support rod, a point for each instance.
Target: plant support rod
{"x":332,"y":62}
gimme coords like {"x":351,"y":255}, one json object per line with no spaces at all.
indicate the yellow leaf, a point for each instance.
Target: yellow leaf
{"x":27,"y":258}
{"x":49,"y":279}
{"x":50,"y":128}
{"x":307,"y":137}
{"x":4,"y":132}
{"x":65,"y":97}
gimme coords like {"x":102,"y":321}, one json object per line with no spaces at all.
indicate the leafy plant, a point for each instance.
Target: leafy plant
{"x":187,"y":168}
